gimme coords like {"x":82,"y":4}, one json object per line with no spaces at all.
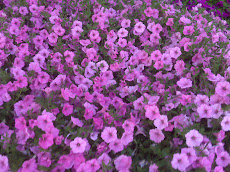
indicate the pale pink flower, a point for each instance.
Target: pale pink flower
{"x":128,"y":126}
{"x":53,"y":37}
{"x":104,"y":158}
{"x":93,"y":35}
{"x":153,"y":168}
{"x":4,"y":164}
{"x":122,"y":42}
{"x":216,"y":111}
{"x":223,"y":88}
{"x":204,"y":111}
{"x":156,"y":28}
{"x":166,"y":59}
{"x":116,"y":145}
{"x":156,"y":135}
{"x":161,"y":122}
{"x":225,"y":123}
{"x":127,"y":137}
{"x":109,"y":134}
{"x":184,"y":83}
{"x":191,"y":154}
{"x":170,"y":22}
{"x":152,"y":112}
{"x":193,"y":138}
{"x":223,"y":159}
{"x":122,"y":33}
{"x":175,"y":52}
{"x":92,"y":165}
{"x":139,"y":27}
{"x":188,"y":30}
{"x":201,"y":99}
{"x":156,"y":55}
{"x":78,"y":145}
{"x":123,"y":162}
{"x":180,"y":161}
{"x":125,"y":23}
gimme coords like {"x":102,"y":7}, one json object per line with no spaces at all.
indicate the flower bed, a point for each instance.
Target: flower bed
{"x":105,"y":86}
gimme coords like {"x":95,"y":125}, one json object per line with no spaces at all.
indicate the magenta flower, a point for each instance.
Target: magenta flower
{"x":29,"y":165}
{"x":46,"y":141}
{"x":67,"y":109}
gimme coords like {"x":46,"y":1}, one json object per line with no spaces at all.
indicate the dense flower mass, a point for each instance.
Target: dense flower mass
{"x":123,"y":86}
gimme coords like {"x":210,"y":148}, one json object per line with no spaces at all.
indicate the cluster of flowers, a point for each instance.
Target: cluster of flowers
{"x":220,"y":8}
{"x":92,"y":86}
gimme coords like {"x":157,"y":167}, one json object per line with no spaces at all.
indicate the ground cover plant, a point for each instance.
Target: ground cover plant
{"x":121,"y":86}
{"x":217,"y":7}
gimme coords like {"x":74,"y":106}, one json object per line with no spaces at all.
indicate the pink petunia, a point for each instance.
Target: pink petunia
{"x":193,"y":138}
{"x":152,"y":112}
{"x":223,"y":88}
{"x":188,"y":30}
{"x":184,"y":83}
{"x":53,"y":37}
{"x":161,"y":122}
{"x":29,"y":165}
{"x":223,"y":159}
{"x":123,"y":163}
{"x":139,"y":27}
{"x":122,"y":33}
{"x":204,"y":111}
{"x":125,"y":23}
{"x":116,"y":145}
{"x":92,"y":165}
{"x":104,"y":158}
{"x":78,"y":145}
{"x":156,"y":135}
{"x":225,"y":123}
{"x":153,"y":168}
{"x":170,"y":22}
{"x":122,"y":42}
{"x":127,"y":137}
{"x":216,"y":111}
{"x":109,"y":134}
{"x":4,"y":164}
{"x":180,"y":161}
{"x":46,"y":141}
{"x":201,"y":99}
{"x":67,"y":109}
{"x":44,"y":159}
{"x":175,"y":52}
